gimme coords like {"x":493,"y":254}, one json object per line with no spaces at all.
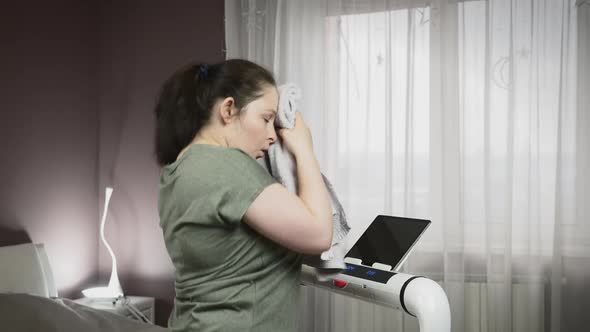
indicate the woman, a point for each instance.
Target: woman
{"x":234,"y":235}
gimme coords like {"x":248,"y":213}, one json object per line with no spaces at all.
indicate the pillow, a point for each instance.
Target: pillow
{"x":22,"y":271}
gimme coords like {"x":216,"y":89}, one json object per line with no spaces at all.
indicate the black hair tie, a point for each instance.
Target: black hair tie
{"x":203,"y":71}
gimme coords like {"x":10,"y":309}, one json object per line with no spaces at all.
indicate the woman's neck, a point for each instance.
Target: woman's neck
{"x":203,"y":139}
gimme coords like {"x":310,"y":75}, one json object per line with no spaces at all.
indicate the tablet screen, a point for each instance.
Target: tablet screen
{"x":387,"y":240}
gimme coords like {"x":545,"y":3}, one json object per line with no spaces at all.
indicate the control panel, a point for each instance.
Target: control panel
{"x":368,"y":273}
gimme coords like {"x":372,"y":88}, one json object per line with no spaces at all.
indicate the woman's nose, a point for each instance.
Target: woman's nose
{"x":273,"y":135}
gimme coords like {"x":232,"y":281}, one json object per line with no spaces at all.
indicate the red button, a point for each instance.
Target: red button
{"x":339,"y":283}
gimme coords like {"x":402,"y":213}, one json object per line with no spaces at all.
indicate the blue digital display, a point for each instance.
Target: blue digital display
{"x":367,"y":273}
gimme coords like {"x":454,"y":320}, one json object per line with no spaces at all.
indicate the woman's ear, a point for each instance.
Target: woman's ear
{"x":227,"y":110}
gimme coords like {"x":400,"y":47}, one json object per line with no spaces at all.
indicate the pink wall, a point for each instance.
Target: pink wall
{"x":49,"y":134}
{"x":79,"y":81}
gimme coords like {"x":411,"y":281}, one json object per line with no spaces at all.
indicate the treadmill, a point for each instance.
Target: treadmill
{"x":371,"y":273}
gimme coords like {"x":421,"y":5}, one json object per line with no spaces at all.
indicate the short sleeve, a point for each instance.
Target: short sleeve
{"x":245,"y":180}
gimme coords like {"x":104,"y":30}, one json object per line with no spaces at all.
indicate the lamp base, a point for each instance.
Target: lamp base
{"x":102,"y":293}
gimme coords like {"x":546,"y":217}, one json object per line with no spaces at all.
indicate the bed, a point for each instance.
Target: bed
{"x":29,"y":301}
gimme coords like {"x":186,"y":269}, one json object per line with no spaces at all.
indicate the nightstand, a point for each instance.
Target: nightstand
{"x":144,"y":304}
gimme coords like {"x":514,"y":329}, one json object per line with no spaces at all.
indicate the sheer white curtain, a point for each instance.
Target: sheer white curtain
{"x":473,"y":114}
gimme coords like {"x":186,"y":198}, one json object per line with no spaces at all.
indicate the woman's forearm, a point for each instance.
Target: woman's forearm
{"x":312,"y":190}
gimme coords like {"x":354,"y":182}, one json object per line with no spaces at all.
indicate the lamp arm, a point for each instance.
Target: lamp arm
{"x":108,"y":194}
{"x":114,"y":279}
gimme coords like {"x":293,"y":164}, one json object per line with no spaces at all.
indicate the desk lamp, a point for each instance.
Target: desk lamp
{"x":113,"y":290}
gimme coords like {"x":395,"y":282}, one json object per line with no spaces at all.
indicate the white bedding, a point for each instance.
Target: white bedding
{"x":23,"y":312}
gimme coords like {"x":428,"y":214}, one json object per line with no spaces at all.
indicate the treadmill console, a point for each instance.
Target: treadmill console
{"x":371,"y":274}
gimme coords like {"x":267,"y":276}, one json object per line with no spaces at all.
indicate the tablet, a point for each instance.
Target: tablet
{"x":388,"y":240}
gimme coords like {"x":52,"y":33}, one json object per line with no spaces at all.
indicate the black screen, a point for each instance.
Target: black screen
{"x":387,"y":240}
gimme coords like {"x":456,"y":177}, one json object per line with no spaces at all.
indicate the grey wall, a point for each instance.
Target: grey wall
{"x":49,"y":134}
{"x":141,"y":44}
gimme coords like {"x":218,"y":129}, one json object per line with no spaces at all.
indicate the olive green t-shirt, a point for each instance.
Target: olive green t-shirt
{"x":228,"y":277}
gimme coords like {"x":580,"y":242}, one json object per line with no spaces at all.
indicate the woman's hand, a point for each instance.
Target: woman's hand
{"x":298,"y":139}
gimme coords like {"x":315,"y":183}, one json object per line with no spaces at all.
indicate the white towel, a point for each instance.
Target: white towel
{"x":281,"y":165}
